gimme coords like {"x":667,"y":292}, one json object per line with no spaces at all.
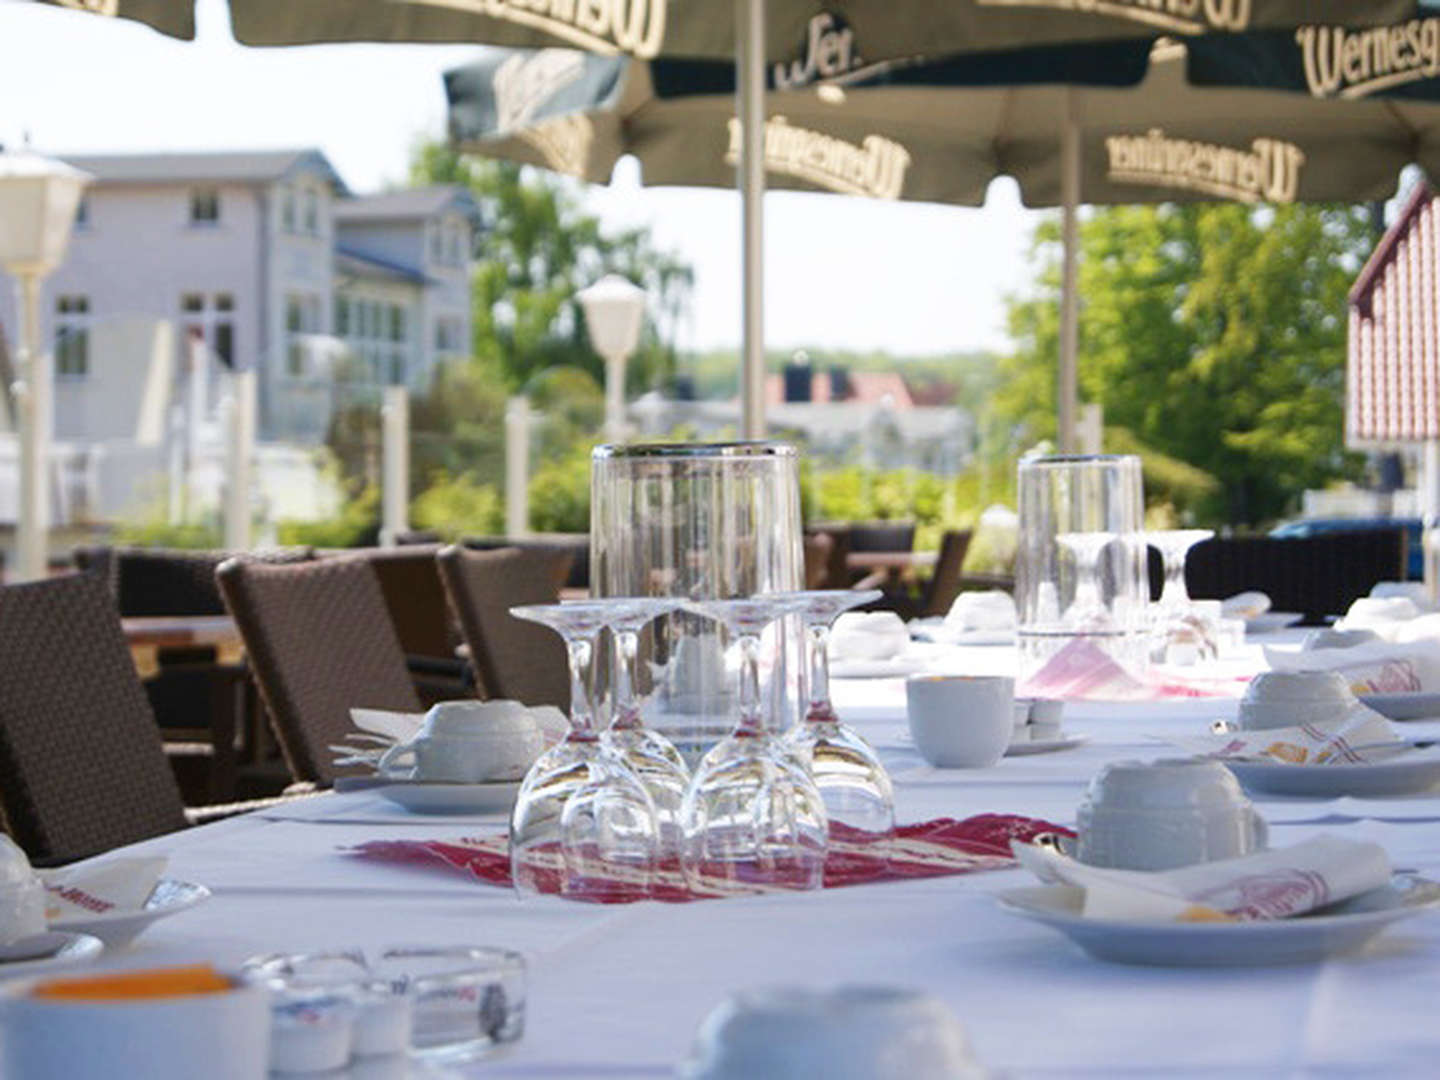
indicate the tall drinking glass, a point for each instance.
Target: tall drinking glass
{"x":1081,"y":585}
{"x":583,"y":823}
{"x":700,"y":521}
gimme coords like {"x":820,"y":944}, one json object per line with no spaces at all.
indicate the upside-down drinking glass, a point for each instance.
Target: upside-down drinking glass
{"x":649,"y":754}
{"x":752,"y":816}
{"x":859,"y":800}
{"x":583,"y":823}
{"x":1183,"y":631}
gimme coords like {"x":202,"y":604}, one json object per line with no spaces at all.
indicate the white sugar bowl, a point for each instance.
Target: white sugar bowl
{"x":851,"y":1033}
{"x":1276,"y":699}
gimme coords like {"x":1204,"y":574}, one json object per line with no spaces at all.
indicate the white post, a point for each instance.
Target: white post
{"x":240,"y":446}
{"x":395,"y":465}
{"x":1091,"y":432}
{"x":1067,"y":391}
{"x":750,"y":91}
{"x":178,"y":493}
{"x":517,"y":467}
{"x":615,"y":426}
{"x":32,"y":401}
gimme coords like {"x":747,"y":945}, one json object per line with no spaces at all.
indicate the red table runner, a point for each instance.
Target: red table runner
{"x":935,"y":848}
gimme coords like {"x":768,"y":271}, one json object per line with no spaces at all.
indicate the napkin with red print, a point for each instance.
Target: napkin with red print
{"x":927,"y":849}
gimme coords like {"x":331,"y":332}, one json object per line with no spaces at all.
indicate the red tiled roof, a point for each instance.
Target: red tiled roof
{"x":1392,"y":376}
{"x":866,"y":387}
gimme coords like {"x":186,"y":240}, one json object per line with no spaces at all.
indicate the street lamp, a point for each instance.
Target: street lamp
{"x":38,"y":200}
{"x":614,"y":310}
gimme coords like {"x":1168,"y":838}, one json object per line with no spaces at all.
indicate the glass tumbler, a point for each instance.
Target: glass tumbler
{"x":701,"y":521}
{"x":1081,"y":585}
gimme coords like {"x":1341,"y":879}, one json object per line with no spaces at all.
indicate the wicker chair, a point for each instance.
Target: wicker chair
{"x":513,"y":658}
{"x":944,"y":584}
{"x":320,"y":641}
{"x":82,"y":769}
{"x":166,"y":581}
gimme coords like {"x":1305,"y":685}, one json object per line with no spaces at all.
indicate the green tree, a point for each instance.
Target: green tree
{"x":536,"y":248}
{"x":1214,"y":334}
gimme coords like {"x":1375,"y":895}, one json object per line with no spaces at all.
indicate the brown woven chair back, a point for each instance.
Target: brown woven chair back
{"x":170,"y":581}
{"x":82,"y":769}
{"x":410,"y":581}
{"x":513,"y":658}
{"x":817,"y":560}
{"x":944,"y":583}
{"x":320,"y":642}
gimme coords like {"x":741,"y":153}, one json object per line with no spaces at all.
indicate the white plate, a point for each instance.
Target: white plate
{"x":421,"y":797}
{"x":118,"y":928}
{"x":1307,"y":938}
{"x":1404,"y":706}
{"x":42,"y":952}
{"x":893,"y":668}
{"x":1271,"y":621}
{"x":1404,"y":774}
{"x":1044,"y":746}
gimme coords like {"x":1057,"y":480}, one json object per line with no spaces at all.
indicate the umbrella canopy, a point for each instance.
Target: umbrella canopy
{"x":1126,"y":120}
{"x":799,"y":32}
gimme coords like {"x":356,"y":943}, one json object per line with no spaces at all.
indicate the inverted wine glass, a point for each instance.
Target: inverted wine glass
{"x":1181,"y":630}
{"x":859,"y":800}
{"x":650,"y":756}
{"x":583,"y":824}
{"x":1087,"y":610}
{"x":752,"y":817}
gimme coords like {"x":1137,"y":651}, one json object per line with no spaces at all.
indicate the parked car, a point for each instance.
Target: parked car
{"x":1415,"y":553}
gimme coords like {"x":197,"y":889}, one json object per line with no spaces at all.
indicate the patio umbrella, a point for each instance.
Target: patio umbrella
{"x":942,"y":132}
{"x":805,"y":40}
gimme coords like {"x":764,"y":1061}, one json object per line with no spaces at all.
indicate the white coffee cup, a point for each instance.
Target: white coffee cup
{"x":1157,"y":815}
{"x":1276,"y":699}
{"x":468,"y":742}
{"x":220,"y":1036}
{"x":961,"y":721}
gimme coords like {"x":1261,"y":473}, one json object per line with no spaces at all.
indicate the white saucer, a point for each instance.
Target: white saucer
{"x":53,"y":949}
{"x":1401,"y":775}
{"x":894,"y":667}
{"x":118,"y":928}
{"x":1306,"y":938}
{"x":423,"y":797}
{"x":1404,"y":706}
{"x":1044,"y":746}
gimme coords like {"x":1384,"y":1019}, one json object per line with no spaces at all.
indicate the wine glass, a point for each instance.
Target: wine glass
{"x":650,"y":756}
{"x":859,"y":800}
{"x":752,"y":815}
{"x":583,"y":823}
{"x":1182,"y":631}
{"x":1087,"y":610}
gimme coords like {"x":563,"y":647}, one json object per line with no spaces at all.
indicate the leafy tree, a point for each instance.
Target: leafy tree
{"x":1214,"y":334}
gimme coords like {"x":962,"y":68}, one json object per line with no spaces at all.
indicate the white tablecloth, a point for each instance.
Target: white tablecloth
{"x":618,"y":991}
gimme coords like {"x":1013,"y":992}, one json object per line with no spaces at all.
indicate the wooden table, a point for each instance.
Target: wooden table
{"x":164,"y":630}
{"x":895,"y":566}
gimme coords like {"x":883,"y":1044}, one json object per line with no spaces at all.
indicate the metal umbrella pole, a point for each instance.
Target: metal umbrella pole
{"x":750,"y":107}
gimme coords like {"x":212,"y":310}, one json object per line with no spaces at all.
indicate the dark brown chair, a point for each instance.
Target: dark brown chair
{"x":944,"y":584}
{"x":513,"y":658}
{"x":429,"y":633}
{"x":817,"y":560}
{"x":82,"y":769}
{"x":882,"y":536}
{"x":170,"y":581}
{"x":320,"y":641}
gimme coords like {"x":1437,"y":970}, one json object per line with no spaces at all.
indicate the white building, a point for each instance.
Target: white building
{"x":266,"y":256}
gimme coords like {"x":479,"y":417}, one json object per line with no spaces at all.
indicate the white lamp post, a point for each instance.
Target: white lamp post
{"x":614,"y":310}
{"x":38,"y":200}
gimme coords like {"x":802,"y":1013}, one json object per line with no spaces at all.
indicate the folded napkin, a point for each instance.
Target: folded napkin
{"x":1273,"y":884}
{"x":1245,"y":605}
{"x":868,"y":635}
{"x":1081,"y":670}
{"x":1371,"y":667}
{"x":926,"y":849}
{"x":1349,"y":740}
{"x":82,"y":892}
{"x":992,"y":609}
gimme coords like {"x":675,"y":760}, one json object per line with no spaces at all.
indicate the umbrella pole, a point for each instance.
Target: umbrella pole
{"x":750,"y":105}
{"x":1068,"y":394}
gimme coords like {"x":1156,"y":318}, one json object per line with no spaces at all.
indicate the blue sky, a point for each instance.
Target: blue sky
{"x":841,"y":272}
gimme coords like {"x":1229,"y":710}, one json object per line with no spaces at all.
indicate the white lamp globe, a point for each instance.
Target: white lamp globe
{"x":38,"y":200}
{"x":614,"y":310}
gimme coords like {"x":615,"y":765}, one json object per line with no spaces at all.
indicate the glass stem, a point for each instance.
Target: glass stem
{"x":1174,"y":594}
{"x":818,"y":639}
{"x":752,"y":721}
{"x":582,"y":718}
{"x":627,"y":648}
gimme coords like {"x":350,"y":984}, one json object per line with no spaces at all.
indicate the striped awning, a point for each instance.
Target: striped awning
{"x":1393,"y":368}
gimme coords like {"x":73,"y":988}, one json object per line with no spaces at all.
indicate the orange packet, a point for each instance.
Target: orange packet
{"x":129,"y":985}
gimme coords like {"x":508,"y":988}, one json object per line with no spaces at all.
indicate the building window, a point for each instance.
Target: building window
{"x":447,"y":335}
{"x":224,"y":302}
{"x":312,"y":212}
{"x":225,"y":343}
{"x":192,"y":301}
{"x":204,"y":206}
{"x":437,"y":253}
{"x":455,"y":259}
{"x":397,"y":323}
{"x":397,"y":368}
{"x":82,"y":213}
{"x":72,"y":336}
{"x":342,"y":316}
